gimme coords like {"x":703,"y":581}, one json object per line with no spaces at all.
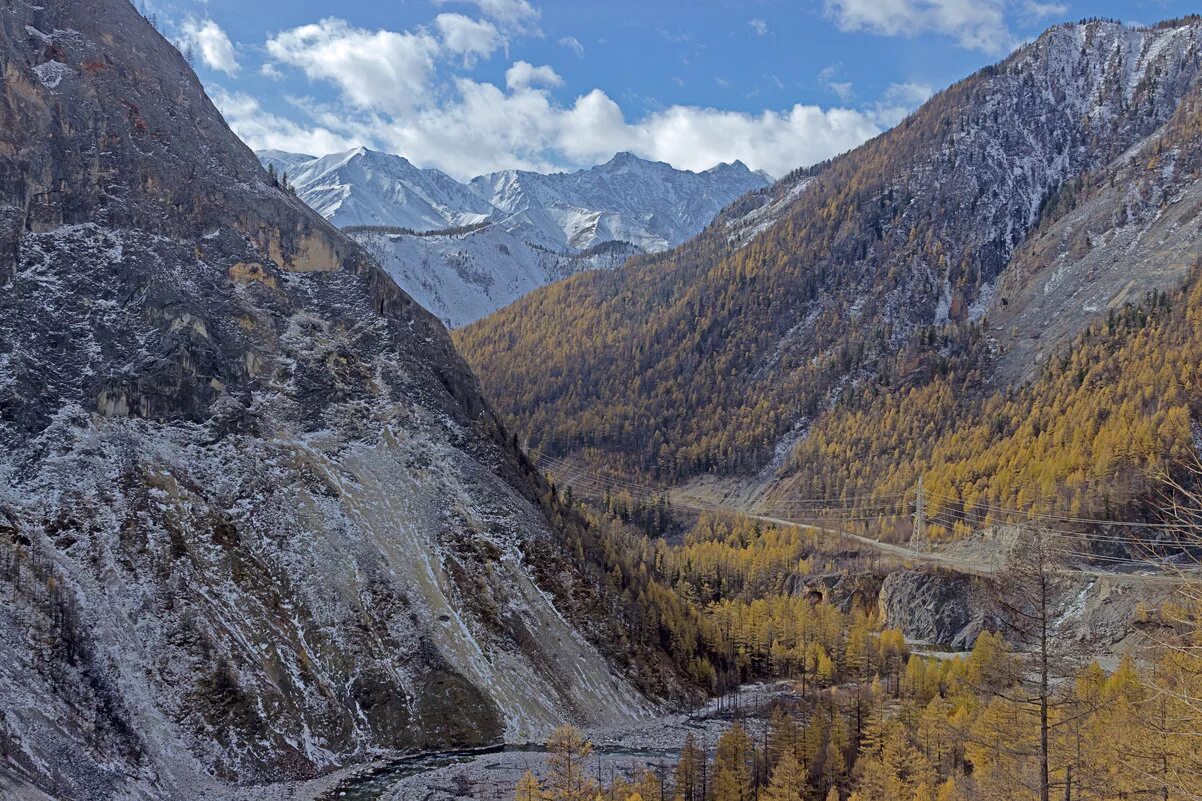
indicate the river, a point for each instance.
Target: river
{"x":490,"y":774}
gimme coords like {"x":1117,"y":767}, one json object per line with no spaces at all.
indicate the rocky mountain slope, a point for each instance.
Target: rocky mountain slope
{"x":462,"y":277}
{"x":256,"y":520}
{"x":514,"y":231}
{"x":978,"y":238}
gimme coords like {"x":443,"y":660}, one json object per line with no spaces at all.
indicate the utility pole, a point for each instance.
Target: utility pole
{"x":918,"y":538}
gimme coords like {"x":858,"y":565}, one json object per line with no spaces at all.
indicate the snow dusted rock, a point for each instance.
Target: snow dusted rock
{"x":463,"y":277}
{"x":540,"y":228}
{"x":256,"y":521}
{"x":364,"y":187}
{"x":647,"y":203}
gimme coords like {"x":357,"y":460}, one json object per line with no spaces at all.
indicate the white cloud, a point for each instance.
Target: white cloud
{"x":261,"y":129}
{"x":827,"y":77}
{"x":269,"y":70}
{"x":899,"y":100}
{"x":697,"y":138}
{"x":914,"y":94}
{"x":523,"y":74}
{"x":393,"y":96}
{"x":486,"y":128}
{"x":1041,"y":11}
{"x":468,"y":37}
{"x":573,"y":44}
{"x":514,"y":15}
{"x":974,"y":24}
{"x":379,"y":70}
{"x":206,"y":38}
{"x":759,"y":26}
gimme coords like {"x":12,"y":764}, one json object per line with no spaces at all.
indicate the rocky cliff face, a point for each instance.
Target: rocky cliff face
{"x":255,"y":519}
{"x":939,"y":608}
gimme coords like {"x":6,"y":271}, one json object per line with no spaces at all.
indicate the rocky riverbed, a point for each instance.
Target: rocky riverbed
{"x":493,"y":773}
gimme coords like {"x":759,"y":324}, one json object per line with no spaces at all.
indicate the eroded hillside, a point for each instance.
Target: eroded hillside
{"x":256,"y":520}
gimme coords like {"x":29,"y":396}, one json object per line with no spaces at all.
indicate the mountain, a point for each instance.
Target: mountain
{"x":364,"y":188}
{"x":489,"y":242}
{"x":256,"y":519}
{"x":462,"y":277}
{"x":648,"y":204}
{"x":877,"y":317}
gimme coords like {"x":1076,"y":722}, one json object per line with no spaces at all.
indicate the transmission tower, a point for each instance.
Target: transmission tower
{"x":918,"y":539}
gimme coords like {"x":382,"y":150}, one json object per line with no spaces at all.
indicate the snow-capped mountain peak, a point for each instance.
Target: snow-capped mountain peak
{"x":541,"y":226}
{"x":365,"y":187}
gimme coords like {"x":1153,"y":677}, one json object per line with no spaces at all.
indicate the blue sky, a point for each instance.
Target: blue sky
{"x":480,"y":85}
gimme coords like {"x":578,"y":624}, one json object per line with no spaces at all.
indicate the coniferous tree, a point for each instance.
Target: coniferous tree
{"x":788,"y":782}
{"x":734,"y":765}
{"x":567,"y":766}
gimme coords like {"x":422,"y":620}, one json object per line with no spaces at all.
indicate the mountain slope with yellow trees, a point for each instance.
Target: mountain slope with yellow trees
{"x":878,"y":315}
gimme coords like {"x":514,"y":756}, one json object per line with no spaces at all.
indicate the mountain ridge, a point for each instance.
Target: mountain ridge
{"x":540,"y":227}
{"x":865,"y":275}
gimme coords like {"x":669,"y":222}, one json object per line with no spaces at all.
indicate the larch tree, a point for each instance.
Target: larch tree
{"x":567,"y":766}
{"x":1026,"y":594}
{"x":734,"y":765}
{"x":690,"y":772}
{"x":529,"y":788}
{"x":788,"y":782}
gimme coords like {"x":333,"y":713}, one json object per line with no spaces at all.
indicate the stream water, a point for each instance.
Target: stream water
{"x":380,"y":783}
{"x":492,"y":773}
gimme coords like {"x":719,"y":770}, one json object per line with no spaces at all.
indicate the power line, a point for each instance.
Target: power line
{"x":1057,"y":518}
{"x":825,"y":510}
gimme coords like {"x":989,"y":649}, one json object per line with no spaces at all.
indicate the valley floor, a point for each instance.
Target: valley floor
{"x":492,"y":774}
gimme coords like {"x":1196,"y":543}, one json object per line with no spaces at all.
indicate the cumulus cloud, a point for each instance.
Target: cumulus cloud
{"x":974,"y":24}
{"x":523,"y":74}
{"x":759,"y":26}
{"x":485,"y":128}
{"x":262,"y":129}
{"x":395,"y":94}
{"x":468,"y":37}
{"x":696,"y":138}
{"x":379,"y":70}
{"x":206,"y":38}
